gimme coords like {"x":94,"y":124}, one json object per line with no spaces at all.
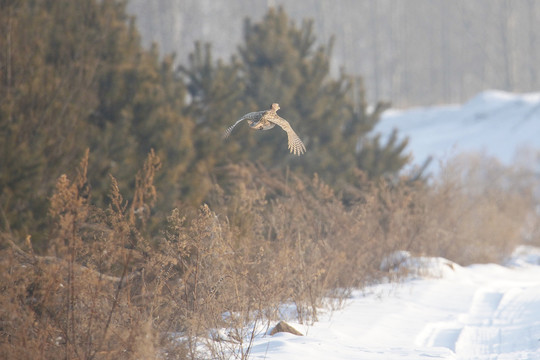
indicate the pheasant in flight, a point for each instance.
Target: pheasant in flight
{"x":267,"y":119}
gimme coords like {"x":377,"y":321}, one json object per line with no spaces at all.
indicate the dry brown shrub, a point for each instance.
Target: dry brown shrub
{"x":477,"y":210}
{"x":214,"y":278}
{"x":78,"y":301}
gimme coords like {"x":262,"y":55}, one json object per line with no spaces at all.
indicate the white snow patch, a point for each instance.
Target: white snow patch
{"x":476,"y":312}
{"x":403,"y":262}
{"x":496,"y":123}
{"x":524,"y":255}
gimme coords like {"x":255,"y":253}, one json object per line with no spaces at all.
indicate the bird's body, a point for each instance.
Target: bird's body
{"x":266,"y":120}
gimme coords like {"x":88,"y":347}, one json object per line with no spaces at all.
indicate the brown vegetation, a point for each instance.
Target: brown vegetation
{"x":216,"y":276}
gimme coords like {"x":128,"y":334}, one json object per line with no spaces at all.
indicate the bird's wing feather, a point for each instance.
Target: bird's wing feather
{"x":296,"y":146}
{"x":250,"y":116}
{"x":230,"y":129}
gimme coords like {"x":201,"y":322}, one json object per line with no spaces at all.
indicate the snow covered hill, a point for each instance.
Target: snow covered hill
{"x":494,"y":122}
{"x":476,"y":312}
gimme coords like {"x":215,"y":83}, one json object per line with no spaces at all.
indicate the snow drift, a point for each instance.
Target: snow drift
{"x":476,"y":312}
{"x":497,"y":123}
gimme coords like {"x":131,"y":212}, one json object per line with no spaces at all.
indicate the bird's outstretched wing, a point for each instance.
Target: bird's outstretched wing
{"x":255,"y":116}
{"x":296,"y":146}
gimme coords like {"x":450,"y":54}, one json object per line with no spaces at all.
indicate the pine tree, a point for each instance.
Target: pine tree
{"x":216,"y":91}
{"x":282,"y":63}
{"x":46,"y":95}
{"x":74,"y":76}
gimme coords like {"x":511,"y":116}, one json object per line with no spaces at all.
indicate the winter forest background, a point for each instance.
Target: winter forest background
{"x":410,"y":53}
{"x":129,"y":229}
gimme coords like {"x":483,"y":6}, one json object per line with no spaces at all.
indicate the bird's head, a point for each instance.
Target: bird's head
{"x":275,"y":106}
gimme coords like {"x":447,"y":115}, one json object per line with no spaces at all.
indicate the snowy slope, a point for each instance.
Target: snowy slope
{"x":477,"y":312}
{"x":494,"y":122}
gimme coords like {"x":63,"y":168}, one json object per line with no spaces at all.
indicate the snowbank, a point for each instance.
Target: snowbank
{"x":496,"y":123}
{"x":476,"y":312}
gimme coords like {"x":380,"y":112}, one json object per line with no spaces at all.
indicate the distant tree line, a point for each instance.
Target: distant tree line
{"x":74,"y":76}
{"x":415,"y":52}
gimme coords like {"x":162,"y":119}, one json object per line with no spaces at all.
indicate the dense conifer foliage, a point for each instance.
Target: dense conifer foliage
{"x":74,"y":76}
{"x":279,"y":62}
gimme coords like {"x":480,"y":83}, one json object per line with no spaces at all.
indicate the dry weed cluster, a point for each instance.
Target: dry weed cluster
{"x":215,"y":277}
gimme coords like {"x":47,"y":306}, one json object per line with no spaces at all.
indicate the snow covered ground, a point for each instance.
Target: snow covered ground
{"x":475,"y":312}
{"x":497,"y":123}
